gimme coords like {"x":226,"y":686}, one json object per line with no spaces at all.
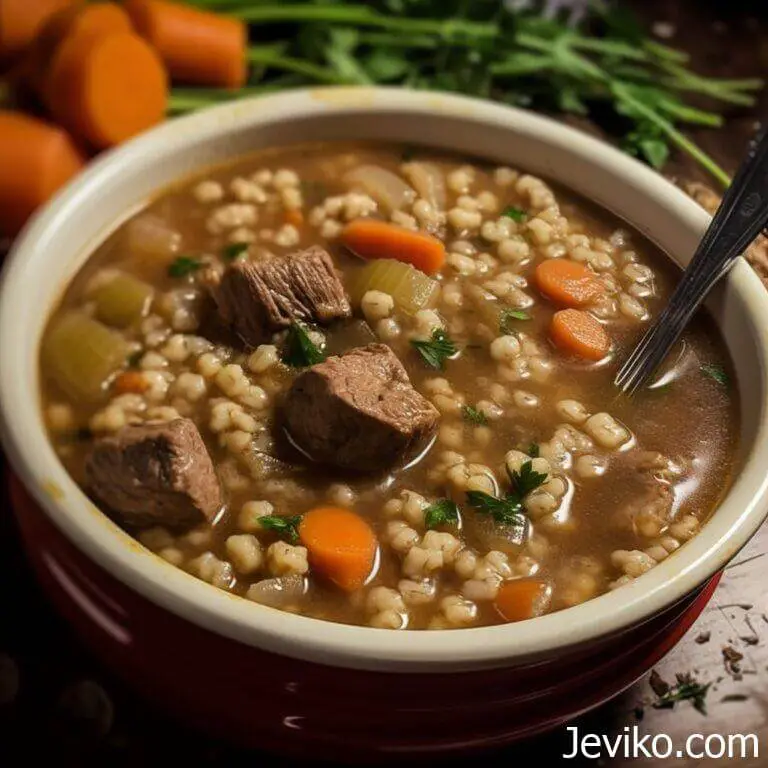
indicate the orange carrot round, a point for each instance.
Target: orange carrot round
{"x":107,"y":88}
{"x":375,"y":239}
{"x":578,"y":333}
{"x":133,"y":382}
{"x":567,"y":282}
{"x":522,"y":599}
{"x":340,"y":544}
{"x":36,"y":159}
{"x":73,"y":21}
{"x":198,"y":47}
{"x":20,"y":21}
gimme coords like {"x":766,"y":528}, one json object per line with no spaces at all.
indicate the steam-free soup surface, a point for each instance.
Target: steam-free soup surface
{"x":530,"y":486}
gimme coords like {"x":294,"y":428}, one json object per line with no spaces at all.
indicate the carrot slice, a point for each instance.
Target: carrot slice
{"x":108,"y":88}
{"x":523,"y":599}
{"x":36,"y":159}
{"x":198,"y":47}
{"x":340,"y":544}
{"x":374,"y":239}
{"x":580,"y":334}
{"x":20,"y":21}
{"x":130,"y":381}
{"x":567,"y":282}
{"x":73,"y":21}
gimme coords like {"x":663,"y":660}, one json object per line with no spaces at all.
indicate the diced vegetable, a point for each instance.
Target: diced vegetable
{"x":82,"y":354}
{"x":568,"y":283}
{"x":387,"y":189}
{"x":578,"y":333}
{"x":523,"y":599}
{"x":35,"y":160}
{"x":340,"y":545}
{"x":197,"y":47}
{"x":374,"y":239}
{"x":429,"y":182}
{"x":133,"y":382}
{"x":107,"y":88}
{"x":148,"y":235}
{"x":123,"y":300}
{"x":410,"y":289}
{"x":281,"y":592}
{"x":492,"y":535}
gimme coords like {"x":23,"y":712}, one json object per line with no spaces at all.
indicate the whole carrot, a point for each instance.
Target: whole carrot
{"x":199,"y":48}
{"x":36,"y":159}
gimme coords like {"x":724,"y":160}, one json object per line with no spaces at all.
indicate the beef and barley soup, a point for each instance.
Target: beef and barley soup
{"x":372,"y":385}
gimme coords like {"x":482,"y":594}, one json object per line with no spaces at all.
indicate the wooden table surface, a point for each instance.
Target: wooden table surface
{"x":57,"y":704}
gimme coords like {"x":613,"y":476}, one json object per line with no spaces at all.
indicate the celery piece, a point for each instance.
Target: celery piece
{"x":123,"y":300}
{"x":80,"y":354}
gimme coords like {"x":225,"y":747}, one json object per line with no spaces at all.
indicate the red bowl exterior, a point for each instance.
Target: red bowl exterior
{"x":285,"y":705}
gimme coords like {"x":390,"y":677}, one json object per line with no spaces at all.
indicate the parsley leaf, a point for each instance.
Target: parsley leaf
{"x":473,"y":416}
{"x":506,"y":316}
{"x":515,"y":213}
{"x":135,"y":358}
{"x":533,"y":450}
{"x":505,"y":511}
{"x":526,"y":480}
{"x":686,"y":689}
{"x":300,"y":351}
{"x":234,"y":251}
{"x":717,"y":373}
{"x":183,"y":266}
{"x":442,"y":512}
{"x":437,"y":350}
{"x":286,"y":527}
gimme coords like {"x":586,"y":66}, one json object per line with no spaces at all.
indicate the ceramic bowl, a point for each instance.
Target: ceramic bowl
{"x":287,"y":681}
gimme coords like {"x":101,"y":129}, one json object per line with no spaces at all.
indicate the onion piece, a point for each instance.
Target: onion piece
{"x":149,"y":236}
{"x":429,"y":182}
{"x":280,"y":592}
{"x":488,"y":534}
{"x":387,"y":189}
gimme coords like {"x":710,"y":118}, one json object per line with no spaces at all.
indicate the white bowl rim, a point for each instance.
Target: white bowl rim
{"x":341,"y":645}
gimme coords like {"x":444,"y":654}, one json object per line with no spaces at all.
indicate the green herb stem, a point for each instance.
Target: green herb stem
{"x":270,"y":58}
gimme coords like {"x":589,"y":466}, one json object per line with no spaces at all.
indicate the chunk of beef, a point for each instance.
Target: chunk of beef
{"x":258,"y":298}
{"x":155,"y":474}
{"x":359,"y":411}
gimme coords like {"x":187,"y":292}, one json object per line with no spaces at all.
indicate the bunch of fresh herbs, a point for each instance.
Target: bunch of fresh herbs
{"x":606,"y":68}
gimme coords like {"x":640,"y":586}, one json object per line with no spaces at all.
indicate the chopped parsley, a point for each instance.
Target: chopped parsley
{"x":686,"y":689}
{"x":473,"y":416}
{"x":286,"y":527}
{"x":300,"y":351}
{"x":533,"y":450}
{"x":135,"y":358}
{"x":509,"y":510}
{"x":442,"y":512}
{"x":717,"y":373}
{"x":515,"y":213}
{"x":183,"y":266}
{"x":506,"y":318}
{"x":234,"y":251}
{"x":437,"y":350}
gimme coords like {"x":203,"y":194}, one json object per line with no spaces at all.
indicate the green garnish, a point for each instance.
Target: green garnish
{"x":606,"y":68}
{"x":717,"y":373}
{"x":533,"y":450}
{"x":437,"y":350}
{"x":442,"y":512}
{"x":509,"y":510}
{"x":234,"y":251}
{"x":473,"y":416}
{"x":300,"y":351}
{"x":286,"y":527}
{"x":135,"y":358}
{"x":506,"y":318}
{"x":515,"y":213}
{"x":183,"y":266}
{"x":686,"y":689}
